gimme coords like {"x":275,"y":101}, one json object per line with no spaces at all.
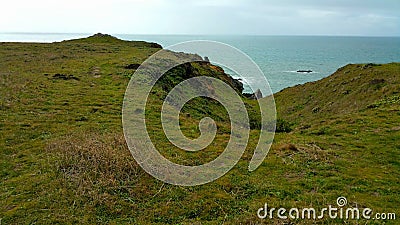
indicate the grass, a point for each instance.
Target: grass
{"x":64,"y":158}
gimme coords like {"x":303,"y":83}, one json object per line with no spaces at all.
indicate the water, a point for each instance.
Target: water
{"x":279,"y":57}
{"x":38,"y":37}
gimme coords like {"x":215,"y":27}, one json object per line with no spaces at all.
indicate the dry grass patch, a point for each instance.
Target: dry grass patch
{"x":94,"y":160}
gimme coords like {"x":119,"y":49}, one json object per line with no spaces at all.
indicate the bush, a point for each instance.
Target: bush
{"x":279,"y":126}
{"x":283,"y":126}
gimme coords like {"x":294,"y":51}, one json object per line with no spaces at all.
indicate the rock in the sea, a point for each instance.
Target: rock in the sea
{"x":304,"y":71}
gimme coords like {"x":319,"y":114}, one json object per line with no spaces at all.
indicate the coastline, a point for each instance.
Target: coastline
{"x":278,"y":54}
{"x":64,"y":157}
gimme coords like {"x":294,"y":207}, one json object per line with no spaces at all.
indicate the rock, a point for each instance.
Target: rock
{"x":258,"y":94}
{"x":206,"y":59}
{"x":101,"y":35}
{"x":304,"y":71}
{"x":377,"y":81}
{"x":305,"y":127}
{"x":255,"y":95}
{"x":132,"y":66}
{"x":315,"y":109}
{"x":82,"y":119}
{"x":64,"y":77}
{"x":95,"y":71}
{"x":154,"y":45}
{"x":369,"y":65}
{"x":237,"y":84}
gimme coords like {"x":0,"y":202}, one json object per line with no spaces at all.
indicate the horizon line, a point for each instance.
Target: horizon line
{"x":183,"y":34}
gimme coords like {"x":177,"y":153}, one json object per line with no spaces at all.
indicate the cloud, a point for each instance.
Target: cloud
{"x":328,"y":17}
{"x":219,"y":3}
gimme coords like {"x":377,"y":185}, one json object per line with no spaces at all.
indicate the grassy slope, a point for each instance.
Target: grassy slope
{"x":350,"y":89}
{"x":64,"y":159}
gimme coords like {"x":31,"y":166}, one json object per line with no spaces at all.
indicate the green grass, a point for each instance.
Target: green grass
{"x":63,"y":156}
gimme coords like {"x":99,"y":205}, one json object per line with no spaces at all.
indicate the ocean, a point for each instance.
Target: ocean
{"x":279,"y":57}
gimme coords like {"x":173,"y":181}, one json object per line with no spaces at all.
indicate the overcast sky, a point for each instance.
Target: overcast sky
{"x":247,"y":17}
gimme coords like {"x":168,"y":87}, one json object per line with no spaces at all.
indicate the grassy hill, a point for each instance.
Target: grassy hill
{"x":350,"y":89}
{"x":63,"y":156}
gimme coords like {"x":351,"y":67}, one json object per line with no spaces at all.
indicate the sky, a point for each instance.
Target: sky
{"x":214,"y":17}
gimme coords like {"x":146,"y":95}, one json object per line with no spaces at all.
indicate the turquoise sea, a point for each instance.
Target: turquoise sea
{"x":279,"y":57}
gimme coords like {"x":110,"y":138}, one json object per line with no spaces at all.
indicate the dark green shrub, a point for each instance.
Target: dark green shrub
{"x":280,"y":126}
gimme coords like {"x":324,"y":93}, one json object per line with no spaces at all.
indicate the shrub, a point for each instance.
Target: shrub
{"x":280,"y":126}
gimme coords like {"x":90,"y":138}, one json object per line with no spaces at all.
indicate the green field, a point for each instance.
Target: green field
{"x":63,"y":157}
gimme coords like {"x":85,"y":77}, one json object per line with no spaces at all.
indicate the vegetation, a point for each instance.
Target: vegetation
{"x":63,"y":157}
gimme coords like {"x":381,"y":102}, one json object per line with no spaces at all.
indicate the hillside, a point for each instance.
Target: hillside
{"x":350,"y":89}
{"x":107,"y":39}
{"x":63,"y":157}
